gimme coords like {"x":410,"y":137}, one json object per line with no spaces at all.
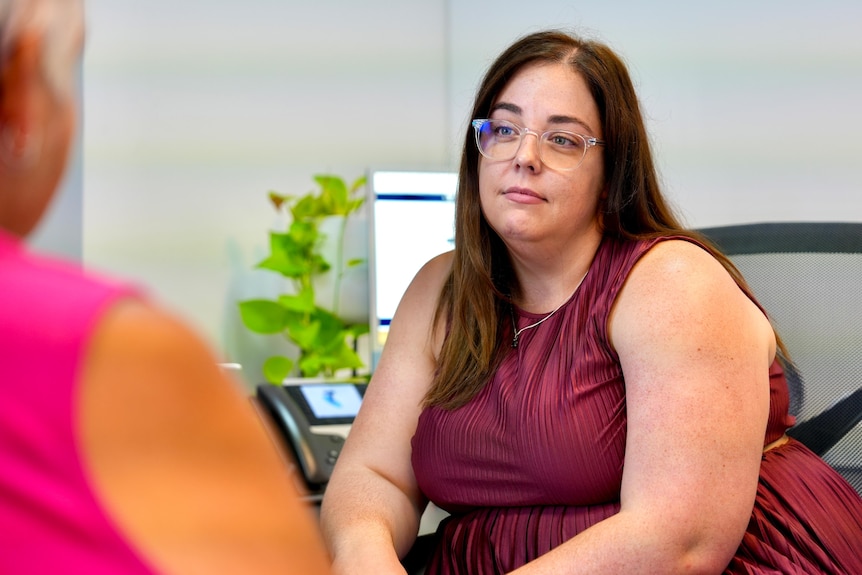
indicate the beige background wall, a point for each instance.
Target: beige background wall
{"x":194,"y":109}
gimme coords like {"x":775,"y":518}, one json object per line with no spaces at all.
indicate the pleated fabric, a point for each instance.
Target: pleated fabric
{"x":806,"y":519}
{"x":537,"y":456}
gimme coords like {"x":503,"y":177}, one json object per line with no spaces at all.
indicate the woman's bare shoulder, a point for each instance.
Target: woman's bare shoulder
{"x":679,"y":289}
{"x":164,"y":434}
{"x":679,"y":255}
{"x":420,"y":299}
{"x":676,"y":267}
{"x":436,"y":270}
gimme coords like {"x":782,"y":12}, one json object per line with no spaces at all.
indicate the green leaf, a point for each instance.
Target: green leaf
{"x":320,"y":265}
{"x":309,"y":207}
{"x":347,"y":358}
{"x":303,"y":333}
{"x":276,"y":368}
{"x":303,"y":302}
{"x":278,"y":200}
{"x":357,"y":184}
{"x":333,"y":194}
{"x":310,"y":365}
{"x":358,"y":329}
{"x":354,"y":205}
{"x":291,"y":268}
{"x":330,"y":331}
{"x":292,"y":254}
{"x":263,"y":316}
{"x":303,"y":235}
{"x":287,"y":256}
{"x":280,"y":244}
{"x":342,"y":357}
{"x":324,"y":340}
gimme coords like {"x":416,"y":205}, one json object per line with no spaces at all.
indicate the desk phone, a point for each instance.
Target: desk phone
{"x":313,"y":418}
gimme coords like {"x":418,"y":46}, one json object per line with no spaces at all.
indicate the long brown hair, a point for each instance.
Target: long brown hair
{"x":475,"y":298}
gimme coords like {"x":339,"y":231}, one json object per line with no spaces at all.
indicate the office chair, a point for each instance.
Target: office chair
{"x":808,"y":277}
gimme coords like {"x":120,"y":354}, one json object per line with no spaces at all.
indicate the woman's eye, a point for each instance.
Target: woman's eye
{"x":565,"y":140}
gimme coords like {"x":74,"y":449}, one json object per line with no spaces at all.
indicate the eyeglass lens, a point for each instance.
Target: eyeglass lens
{"x":500,"y":140}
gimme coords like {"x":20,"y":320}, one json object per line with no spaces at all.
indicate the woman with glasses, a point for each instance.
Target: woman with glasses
{"x":583,"y":384}
{"x":123,"y":449}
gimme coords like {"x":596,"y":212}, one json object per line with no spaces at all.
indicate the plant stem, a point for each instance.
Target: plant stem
{"x":339,"y":265}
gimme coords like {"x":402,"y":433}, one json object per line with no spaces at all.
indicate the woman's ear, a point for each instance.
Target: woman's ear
{"x":20,"y":132}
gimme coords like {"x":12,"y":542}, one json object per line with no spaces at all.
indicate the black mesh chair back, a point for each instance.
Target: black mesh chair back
{"x":808,"y":277}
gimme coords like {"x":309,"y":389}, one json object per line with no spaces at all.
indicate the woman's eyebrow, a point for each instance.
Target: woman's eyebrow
{"x":562,"y":119}
{"x":554,"y":119}
{"x":508,"y":107}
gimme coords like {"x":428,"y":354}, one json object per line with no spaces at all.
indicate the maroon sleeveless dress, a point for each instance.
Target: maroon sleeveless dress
{"x":537,"y":456}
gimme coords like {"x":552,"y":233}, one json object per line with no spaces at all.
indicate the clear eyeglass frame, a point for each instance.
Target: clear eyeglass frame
{"x":567,"y":155}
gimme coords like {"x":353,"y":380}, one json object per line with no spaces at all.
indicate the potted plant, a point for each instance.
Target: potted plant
{"x":325,"y":341}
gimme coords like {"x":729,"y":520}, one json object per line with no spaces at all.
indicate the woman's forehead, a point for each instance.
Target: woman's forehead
{"x":551,"y":94}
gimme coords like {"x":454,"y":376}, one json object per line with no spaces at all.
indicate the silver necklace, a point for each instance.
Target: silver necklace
{"x":518,"y":332}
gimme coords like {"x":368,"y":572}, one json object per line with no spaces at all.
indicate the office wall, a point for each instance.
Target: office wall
{"x":194,"y":110}
{"x":753,"y":106}
{"x":60,"y":232}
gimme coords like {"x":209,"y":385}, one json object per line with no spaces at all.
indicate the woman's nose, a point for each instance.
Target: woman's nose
{"x":528,"y":155}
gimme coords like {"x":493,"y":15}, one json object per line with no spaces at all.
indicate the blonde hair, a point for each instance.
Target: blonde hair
{"x":60,"y":23}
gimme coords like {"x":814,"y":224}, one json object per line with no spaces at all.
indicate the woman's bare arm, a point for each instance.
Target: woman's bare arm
{"x":180,"y":459}
{"x":372,"y":505}
{"x":695,"y":352}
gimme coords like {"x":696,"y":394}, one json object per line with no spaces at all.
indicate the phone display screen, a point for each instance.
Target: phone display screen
{"x":328,"y":403}
{"x":332,"y":401}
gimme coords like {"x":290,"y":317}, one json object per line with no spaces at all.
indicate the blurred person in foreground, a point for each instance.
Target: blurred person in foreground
{"x":123,"y":448}
{"x":585,"y":385}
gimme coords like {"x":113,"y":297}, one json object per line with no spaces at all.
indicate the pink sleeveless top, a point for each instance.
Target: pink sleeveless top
{"x":51,"y":521}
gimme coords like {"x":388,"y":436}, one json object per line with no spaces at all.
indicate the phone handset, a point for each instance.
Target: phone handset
{"x":315,"y":453}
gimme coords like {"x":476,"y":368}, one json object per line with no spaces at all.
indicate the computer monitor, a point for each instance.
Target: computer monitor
{"x":411,"y":220}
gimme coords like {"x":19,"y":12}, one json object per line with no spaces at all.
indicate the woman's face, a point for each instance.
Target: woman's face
{"x":523,"y":199}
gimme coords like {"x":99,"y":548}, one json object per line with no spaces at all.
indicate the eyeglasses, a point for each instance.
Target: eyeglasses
{"x":500,"y":140}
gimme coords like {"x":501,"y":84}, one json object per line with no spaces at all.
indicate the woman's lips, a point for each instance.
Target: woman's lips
{"x":523,"y":195}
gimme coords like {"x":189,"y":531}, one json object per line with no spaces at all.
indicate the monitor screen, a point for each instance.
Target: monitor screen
{"x":412,"y":220}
